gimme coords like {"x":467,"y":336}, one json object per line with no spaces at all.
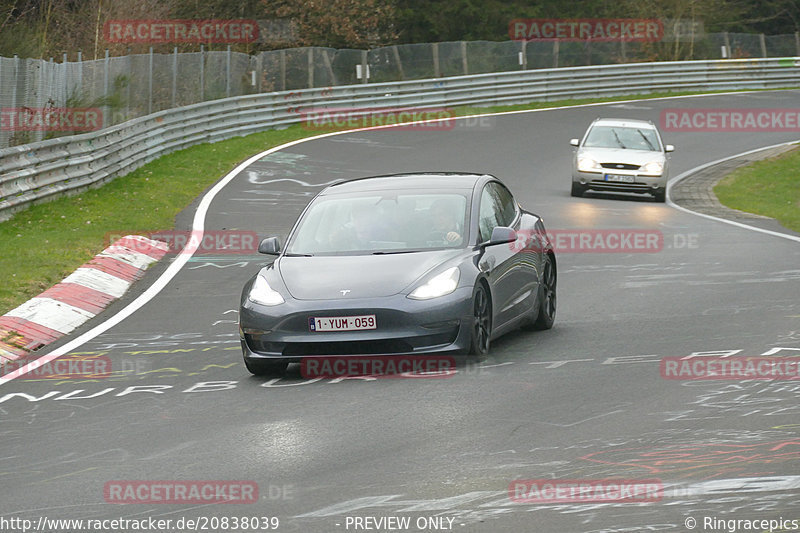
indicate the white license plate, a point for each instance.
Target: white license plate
{"x":619,"y":177}
{"x":342,"y":323}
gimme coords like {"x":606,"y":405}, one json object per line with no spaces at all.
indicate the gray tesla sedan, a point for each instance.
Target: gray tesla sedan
{"x":621,"y":155}
{"x":427,"y":263}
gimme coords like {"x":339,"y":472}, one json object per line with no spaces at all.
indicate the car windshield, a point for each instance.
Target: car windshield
{"x":626,"y":137}
{"x":381,"y":222}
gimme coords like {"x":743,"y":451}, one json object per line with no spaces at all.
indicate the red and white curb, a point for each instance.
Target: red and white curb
{"x":79,"y":297}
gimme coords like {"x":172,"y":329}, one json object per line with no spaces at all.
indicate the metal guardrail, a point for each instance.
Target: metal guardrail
{"x":40,"y":171}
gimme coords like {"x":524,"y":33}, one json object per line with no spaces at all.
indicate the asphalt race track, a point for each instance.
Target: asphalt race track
{"x":583,"y":401}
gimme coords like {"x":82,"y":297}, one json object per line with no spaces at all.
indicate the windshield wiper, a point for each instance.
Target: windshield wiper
{"x":646,"y":140}
{"x":298,"y":255}
{"x":396,"y":252}
{"x":618,"y":141}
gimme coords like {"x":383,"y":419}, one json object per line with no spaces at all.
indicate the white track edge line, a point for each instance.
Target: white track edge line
{"x":671,"y":183}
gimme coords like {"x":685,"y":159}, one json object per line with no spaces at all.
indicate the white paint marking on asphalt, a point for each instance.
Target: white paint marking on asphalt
{"x":198,"y":224}
{"x":688,"y":173}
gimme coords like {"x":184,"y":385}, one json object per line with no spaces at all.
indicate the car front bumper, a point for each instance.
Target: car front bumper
{"x":596,"y":181}
{"x":404,"y":327}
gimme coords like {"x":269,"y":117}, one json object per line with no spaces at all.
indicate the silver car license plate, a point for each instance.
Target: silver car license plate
{"x":619,"y":178}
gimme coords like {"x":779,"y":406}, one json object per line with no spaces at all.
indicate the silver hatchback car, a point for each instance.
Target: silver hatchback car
{"x":621,"y":155}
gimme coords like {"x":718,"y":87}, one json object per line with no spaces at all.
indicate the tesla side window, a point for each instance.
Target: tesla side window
{"x":497,"y":209}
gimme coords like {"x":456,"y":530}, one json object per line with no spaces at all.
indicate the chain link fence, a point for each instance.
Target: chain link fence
{"x":126,"y":87}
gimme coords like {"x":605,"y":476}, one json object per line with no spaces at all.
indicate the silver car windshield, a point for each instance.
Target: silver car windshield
{"x":623,"y":137}
{"x":381,"y":222}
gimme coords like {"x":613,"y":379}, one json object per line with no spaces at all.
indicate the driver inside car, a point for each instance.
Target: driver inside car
{"x":445,"y":223}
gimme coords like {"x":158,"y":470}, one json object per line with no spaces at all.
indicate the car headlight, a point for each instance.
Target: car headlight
{"x":439,"y":285}
{"x":653,"y":168}
{"x":587,"y":164}
{"x":262,"y":293}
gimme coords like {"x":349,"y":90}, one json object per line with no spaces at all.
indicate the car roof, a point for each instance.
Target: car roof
{"x":623,"y":122}
{"x":410,"y":181}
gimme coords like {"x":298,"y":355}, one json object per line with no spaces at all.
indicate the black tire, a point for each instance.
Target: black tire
{"x":547,"y":296}
{"x":481,"y":330}
{"x":660,"y":195}
{"x":266,"y":368}
{"x":578,"y":190}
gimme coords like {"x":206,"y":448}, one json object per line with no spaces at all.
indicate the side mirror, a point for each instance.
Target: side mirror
{"x":574,"y":142}
{"x":270,"y":246}
{"x":669,"y":148}
{"x":501,"y":235}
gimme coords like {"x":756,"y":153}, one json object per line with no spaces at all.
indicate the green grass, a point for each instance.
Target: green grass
{"x":770,"y":187}
{"x":42,"y":245}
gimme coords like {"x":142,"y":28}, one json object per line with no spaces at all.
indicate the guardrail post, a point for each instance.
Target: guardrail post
{"x":763,"y":42}
{"x":228,"y":72}
{"x":436,"y":73}
{"x":174,"y":76}
{"x":523,"y":55}
{"x":464,"y":57}
{"x":150,"y":83}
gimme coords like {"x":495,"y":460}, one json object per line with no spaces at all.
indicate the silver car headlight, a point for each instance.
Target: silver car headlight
{"x":587,"y":164}
{"x":439,"y":285}
{"x":262,"y":293}
{"x":653,"y":168}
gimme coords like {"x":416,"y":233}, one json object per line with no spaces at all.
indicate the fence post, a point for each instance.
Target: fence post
{"x":524,"y":54}
{"x":728,"y":51}
{"x":364,"y":66}
{"x":259,"y":71}
{"x":228,"y":72}
{"x":555,"y":53}
{"x":464,"y":64}
{"x":763,"y":42}
{"x":400,"y":63}
{"x":436,"y":73}
{"x":174,"y":76}
{"x":202,"y":73}
{"x":80,"y":73}
{"x":327,"y":60}
{"x":310,"y":67}
{"x":283,"y":69}
{"x":150,"y":83}
{"x":64,"y":78}
{"x":106,"y":109}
